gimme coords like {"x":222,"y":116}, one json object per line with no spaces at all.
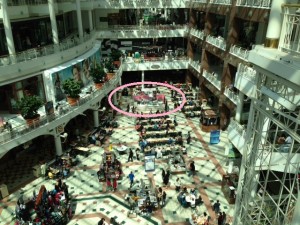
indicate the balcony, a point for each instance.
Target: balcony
{"x":35,"y":53}
{"x":234,"y":97}
{"x":212,"y":78}
{"x":245,"y":80}
{"x":290,"y":35}
{"x":142,"y":4}
{"x":221,"y":2}
{"x":196,"y":65}
{"x":237,"y":134}
{"x":265,"y":4}
{"x":179,"y":63}
{"x":239,"y":52}
{"x":21,"y":132}
{"x":197,"y":33}
{"x":216,"y":41}
{"x":145,"y":31}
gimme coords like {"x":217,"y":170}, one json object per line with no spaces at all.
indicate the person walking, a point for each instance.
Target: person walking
{"x":130,"y":156}
{"x":131,"y":178}
{"x":188,"y":138}
{"x":163,"y":174}
{"x":137,"y":153}
{"x":220,"y":219}
{"x":192,"y":169}
{"x":216,"y":207}
{"x":224,"y":218}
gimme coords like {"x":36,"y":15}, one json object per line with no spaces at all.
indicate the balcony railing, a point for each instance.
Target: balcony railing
{"x":64,"y":109}
{"x":196,"y":65}
{"x":234,"y":125}
{"x":290,"y":34}
{"x":255,"y":3}
{"x":216,"y":41}
{"x":32,"y":2}
{"x":246,"y":72}
{"x":197,"y":33}
{"x":145,"y":31}
{"x":221,"y":2}
{"x":35,"y":53}
{"x":213,"y":78}
{"x":239,"y":52}
{"x":199,"y":1}
{"x":234,"y":97}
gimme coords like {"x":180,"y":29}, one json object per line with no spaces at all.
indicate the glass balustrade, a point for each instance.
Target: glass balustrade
{"x":239,"y":52}
{"x":254,"y":3}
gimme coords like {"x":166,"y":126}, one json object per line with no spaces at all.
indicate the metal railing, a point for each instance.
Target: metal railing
{"x":234,"y":125}
{"x":290,"y":35}
{"x":117,"y":28}
{"x":64,"y":109}
{"x":216,"y":41}
{"x":222,"y":2}
{"x":34,"y":53}
{"x":246,"y":72}
{"x":239,"y":52}
{"x":234,"y":97}
{"x":213,"y":78}
{"x":33,"y":2}
{"x":197,"y":33}
{"x":196,"y":65}
{"x":254,"y":3}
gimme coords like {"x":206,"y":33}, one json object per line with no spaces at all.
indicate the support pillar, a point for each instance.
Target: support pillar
{"x":90,"y":20}
{"x":58,"y":146}
{"x":143,"y":79}
{"x":79,"y":21}
{"x":239,"y":107}
{"x":96,"y":118}
{"x":115,"y":100}
{"x":274,"y":25}
{"x":8,"y":32}
{"x":53,"y":23}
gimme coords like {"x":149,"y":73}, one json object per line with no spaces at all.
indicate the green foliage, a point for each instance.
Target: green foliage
{"x":71,"y":88}
{"x":115,"y":54}
{"x":29,"y":106}
{"x":98,"y":74}
{"x":109,"y":64}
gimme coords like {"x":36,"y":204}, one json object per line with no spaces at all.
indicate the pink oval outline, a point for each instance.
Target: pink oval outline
{"x":147,"y":115}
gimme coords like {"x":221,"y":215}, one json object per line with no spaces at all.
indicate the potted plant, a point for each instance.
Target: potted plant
{"x":98,"y":74}
{"x":28,"y":107}
{"x":109,"y":66}
{"x":72,"y":90}
{"x":115,"y":55}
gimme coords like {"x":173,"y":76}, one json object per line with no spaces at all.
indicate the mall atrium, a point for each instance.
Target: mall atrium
{"x":226,"y":149}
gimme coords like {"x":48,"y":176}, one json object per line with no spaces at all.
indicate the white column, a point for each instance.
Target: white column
{"x":53,"y":22}
{"x":58,"y":146}
{"x":90,"y":20}
{"x":8,"y":32}
{"x":96,"y":118}
{"x":239,"y":107}
{"x":79,"y":20}
{"x":143,"y":79}
{"x":274,"y":25}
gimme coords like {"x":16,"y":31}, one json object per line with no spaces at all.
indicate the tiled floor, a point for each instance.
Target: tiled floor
{"x":91,"y":200}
